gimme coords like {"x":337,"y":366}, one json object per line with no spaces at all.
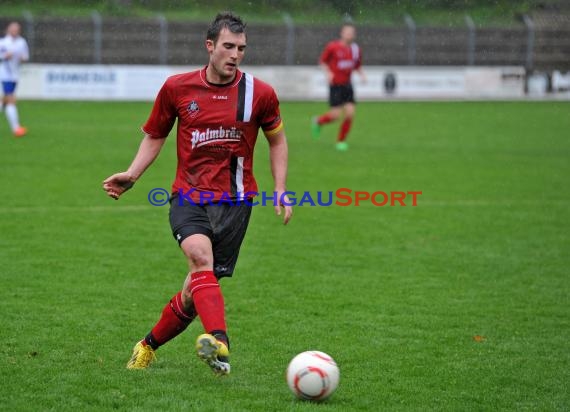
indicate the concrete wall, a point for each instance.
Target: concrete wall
{"x":138,"y":41}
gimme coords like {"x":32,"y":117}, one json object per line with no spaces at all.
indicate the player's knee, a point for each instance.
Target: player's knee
{"x":198,"y":250}
{"x":200,"y":258}
{"x":334,"y":115}
{"x":349,"y":112}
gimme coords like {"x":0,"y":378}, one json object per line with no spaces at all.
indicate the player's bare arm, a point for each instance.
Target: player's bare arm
{"x":119,"y":183}
{"x":361,"y":74}
{"x":328,"y":72}
{"x":278,"y":155}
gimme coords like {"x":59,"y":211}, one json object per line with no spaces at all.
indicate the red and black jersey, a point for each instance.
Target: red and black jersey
{"x":217,"y":130}
{"x":341,"y":59}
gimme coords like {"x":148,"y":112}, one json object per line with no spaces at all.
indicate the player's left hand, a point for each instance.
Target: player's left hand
{"x":284,"y":203}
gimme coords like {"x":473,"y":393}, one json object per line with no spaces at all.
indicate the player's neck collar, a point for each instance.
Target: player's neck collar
{"x":234,"y":81}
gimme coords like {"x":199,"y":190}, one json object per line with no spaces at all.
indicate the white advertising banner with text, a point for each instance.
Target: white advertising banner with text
{"x":124,"y":82}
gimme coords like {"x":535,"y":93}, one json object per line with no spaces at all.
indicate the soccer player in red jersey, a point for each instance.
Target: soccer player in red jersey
{"x":219,"y":110}
{"x":339,"y":59}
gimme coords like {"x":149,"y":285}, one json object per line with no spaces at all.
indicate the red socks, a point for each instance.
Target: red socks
{"x":344,"y":129}
{"x":174,"y":321}
{"x":208,"y":304}
{"x":208,"y":300}
{"x":324,"y":119}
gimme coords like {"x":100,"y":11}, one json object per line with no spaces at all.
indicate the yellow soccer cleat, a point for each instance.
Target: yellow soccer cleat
{"x":214,"y":352}
{"x":143,"y":355}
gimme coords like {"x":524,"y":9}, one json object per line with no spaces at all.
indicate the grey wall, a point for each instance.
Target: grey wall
{"x":138,"y":41}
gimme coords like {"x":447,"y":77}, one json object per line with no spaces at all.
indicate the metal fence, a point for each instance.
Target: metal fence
{"x":111,"y":40}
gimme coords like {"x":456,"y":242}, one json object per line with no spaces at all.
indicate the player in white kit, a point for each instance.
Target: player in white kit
{"x":13,"y":51}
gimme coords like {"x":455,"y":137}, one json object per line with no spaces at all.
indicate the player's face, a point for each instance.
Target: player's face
{"x":13,"y":29}
{"x":226,"y":54}
{"x":348,"y":34}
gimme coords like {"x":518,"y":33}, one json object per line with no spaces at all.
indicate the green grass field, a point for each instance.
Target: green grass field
{"x":397,"y":295}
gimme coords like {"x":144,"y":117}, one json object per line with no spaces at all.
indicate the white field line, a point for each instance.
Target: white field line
{"x":72,"y":209}
{"x":420,"y":203}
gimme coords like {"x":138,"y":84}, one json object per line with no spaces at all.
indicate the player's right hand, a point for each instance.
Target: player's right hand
{"x":330,"y":76}
{"x":118,"y":184}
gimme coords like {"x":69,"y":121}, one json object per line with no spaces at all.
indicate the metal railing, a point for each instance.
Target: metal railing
{"x":113,"y":40}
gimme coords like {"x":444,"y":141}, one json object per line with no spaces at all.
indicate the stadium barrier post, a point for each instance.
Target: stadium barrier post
{"x":97,"y":36}
{"x":290,"y":45}
{"x":471,"y":39}
{"x":529,"y":42}
{"x":30,"y":34}
{"x":411,"y":24}
{"x":163,"y":40}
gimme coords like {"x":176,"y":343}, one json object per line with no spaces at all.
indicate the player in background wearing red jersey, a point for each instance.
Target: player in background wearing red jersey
{"x":339,"y":59}
{"x":219,"y":110}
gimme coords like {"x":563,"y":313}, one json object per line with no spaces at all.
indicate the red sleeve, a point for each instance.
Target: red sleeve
{"x":326,"y":54}
{"x":163,"y":115}
{"x":271,"y":117}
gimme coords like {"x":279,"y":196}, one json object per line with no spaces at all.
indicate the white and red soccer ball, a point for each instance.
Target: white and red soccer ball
{"x":312,"y":375}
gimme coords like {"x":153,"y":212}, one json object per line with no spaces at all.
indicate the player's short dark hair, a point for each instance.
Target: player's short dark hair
{"x":225,"y":20}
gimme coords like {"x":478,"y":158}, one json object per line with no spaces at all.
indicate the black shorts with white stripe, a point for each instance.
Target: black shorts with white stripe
{"x":224,"y":223}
